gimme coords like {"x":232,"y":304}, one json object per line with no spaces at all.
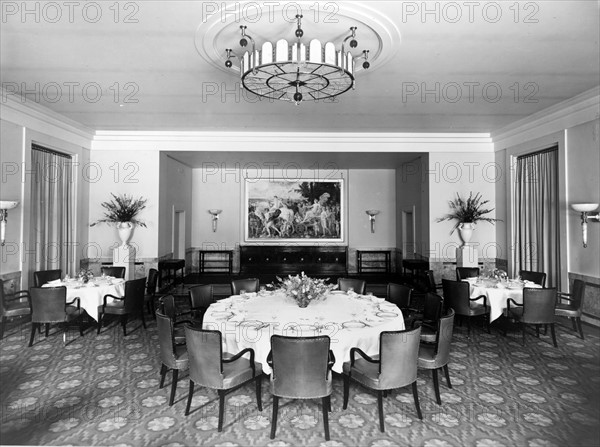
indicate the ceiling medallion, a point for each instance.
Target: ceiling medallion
{"x":298,"y":72}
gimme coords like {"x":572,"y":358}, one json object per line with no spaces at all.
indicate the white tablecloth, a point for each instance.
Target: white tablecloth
{"x":349,"y":320}
{"x":91,"y":295}
{"x":497,"y":293}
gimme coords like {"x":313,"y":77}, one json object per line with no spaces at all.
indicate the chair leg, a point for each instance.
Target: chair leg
{"x":173,"y":386}
{"x":189,"y":401}
{"x":537,"y":330}
{"x":346,"y":390}
{"x":100,"y":319}
{"x":81,"y":325}
{"x":163,"y":373}
{"x":221,"y":409}
{"x":2,"y":327}
{"x":580,"y":327}
{"x":326,"y":405}
{"x":574,"y":323}
{"x":380,"y":406}
{"x":124,"y":324}
{"x":259,"y":392}
{"x":553,"y":335}
{"x":523,"y":332}
{"x":47,"y":329}
{"x":33,"y":327}
{"x":436,"y":386}
{"x":447,"y":373}
{"x":487,"y":322}
{"x":143,"y":319}
{"x":468,"y":326}
{"x":416,"y":398}
{"x":274,"y":418}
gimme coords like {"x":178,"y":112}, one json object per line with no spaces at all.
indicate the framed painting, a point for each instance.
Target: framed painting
{"x":303,"y":211}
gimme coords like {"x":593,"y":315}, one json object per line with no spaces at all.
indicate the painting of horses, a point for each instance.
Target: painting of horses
{"x":294,"y":210}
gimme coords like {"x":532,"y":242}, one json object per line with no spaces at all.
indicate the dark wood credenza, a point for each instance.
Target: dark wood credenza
{"x":292,"y":259}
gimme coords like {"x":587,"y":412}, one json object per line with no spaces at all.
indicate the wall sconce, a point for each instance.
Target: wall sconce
{"x":5,"y":205}
{"x":215,"y":218}
{"x":372,"y":214}
{"x":584,"y":209}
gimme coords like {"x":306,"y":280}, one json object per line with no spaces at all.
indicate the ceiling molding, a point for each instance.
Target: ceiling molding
{"x":572,"y":112}
{"x":293,"y":142}
{"x":42,"y":119}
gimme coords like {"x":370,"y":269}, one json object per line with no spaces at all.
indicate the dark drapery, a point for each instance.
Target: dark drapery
{"x":51,"y":210}
{"x":536,"y":216}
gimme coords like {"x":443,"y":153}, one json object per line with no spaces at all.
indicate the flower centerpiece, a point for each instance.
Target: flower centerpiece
{"x":499,"y":274}
{"x":123,"y":211}
{"x":304,"y":289}
{"x":84,"y":275}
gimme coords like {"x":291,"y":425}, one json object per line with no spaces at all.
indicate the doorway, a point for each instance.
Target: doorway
{"x":178,"y":234}
{"x":408,"y":233}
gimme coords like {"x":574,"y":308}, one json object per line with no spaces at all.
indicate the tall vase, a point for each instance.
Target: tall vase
{"x":466,"y":232}
{"x":125,"y":229}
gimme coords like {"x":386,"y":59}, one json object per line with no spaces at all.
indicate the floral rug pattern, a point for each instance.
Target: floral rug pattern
{"x":104,"y":390}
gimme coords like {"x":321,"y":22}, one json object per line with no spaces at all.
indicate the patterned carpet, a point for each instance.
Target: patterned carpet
{"x":103,"y":390}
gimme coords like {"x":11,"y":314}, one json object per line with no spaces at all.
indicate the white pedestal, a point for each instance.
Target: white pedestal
{"x":125,"y":257}
{"x":466,"y":256}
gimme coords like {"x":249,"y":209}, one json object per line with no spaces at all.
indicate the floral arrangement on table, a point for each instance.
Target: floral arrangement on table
{"x":499,"y":274}
{"x":85,"y":275}
{"x":468,"y":211}
{"x":123,"y":208}
{"x":304,"y":289}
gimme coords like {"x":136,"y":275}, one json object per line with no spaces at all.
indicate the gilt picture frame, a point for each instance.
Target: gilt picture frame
{"x":303,"y":211}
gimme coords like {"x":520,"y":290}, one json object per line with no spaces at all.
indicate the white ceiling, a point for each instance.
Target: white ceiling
{"x":549,"y":52}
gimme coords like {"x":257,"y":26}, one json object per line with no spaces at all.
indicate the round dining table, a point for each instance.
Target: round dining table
{"x":91,"y":294}
{"x":349,"y":319}
{"x":497,"y":292}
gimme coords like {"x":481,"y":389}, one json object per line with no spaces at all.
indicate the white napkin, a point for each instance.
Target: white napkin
{"x":55,"y":282}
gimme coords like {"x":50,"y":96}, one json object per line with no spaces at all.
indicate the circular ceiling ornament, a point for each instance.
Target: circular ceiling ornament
{"x":271,"y":67}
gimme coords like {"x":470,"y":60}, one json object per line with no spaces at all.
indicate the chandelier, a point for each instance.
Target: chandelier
{"x":298,"y":72}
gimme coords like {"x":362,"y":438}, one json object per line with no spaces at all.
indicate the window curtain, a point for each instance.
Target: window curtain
{"x":536,"y":224}
{"x":51,"y":211}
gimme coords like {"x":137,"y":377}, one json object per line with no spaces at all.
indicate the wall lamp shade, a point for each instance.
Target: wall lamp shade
{"x":372,"y":214}
{"x":215,"y":218}
{"x":584,"y":209}
{"x":5,"y":205}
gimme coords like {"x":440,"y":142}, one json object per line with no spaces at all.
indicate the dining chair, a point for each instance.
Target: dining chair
{"x":466,"y":272}
{"x":200,"y":297}
{"x":49,"y":306}
{"x":430,"y":284}
{"x":570,"y":305}
{"x":173,"y":356}
{"x":358,"y":285}
{"x":210,"y":367}
{"x":12,"y":305}
{"x":150,"y":295}
{"x":536,"y":277}
{"x":301,"y":370}
{"x":395,"y":367}
{"x":250,"y":285}
{"x":436,"y":356}
{"x":401,"y":296}
{"x":41,"y":277}
{"x":457,"y":296}
{"x":131,"y":303}
{"x":538,"y":308}
{"x":428,"y":319}
{"x":168,"y":308}
{"x":114,"y":271}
